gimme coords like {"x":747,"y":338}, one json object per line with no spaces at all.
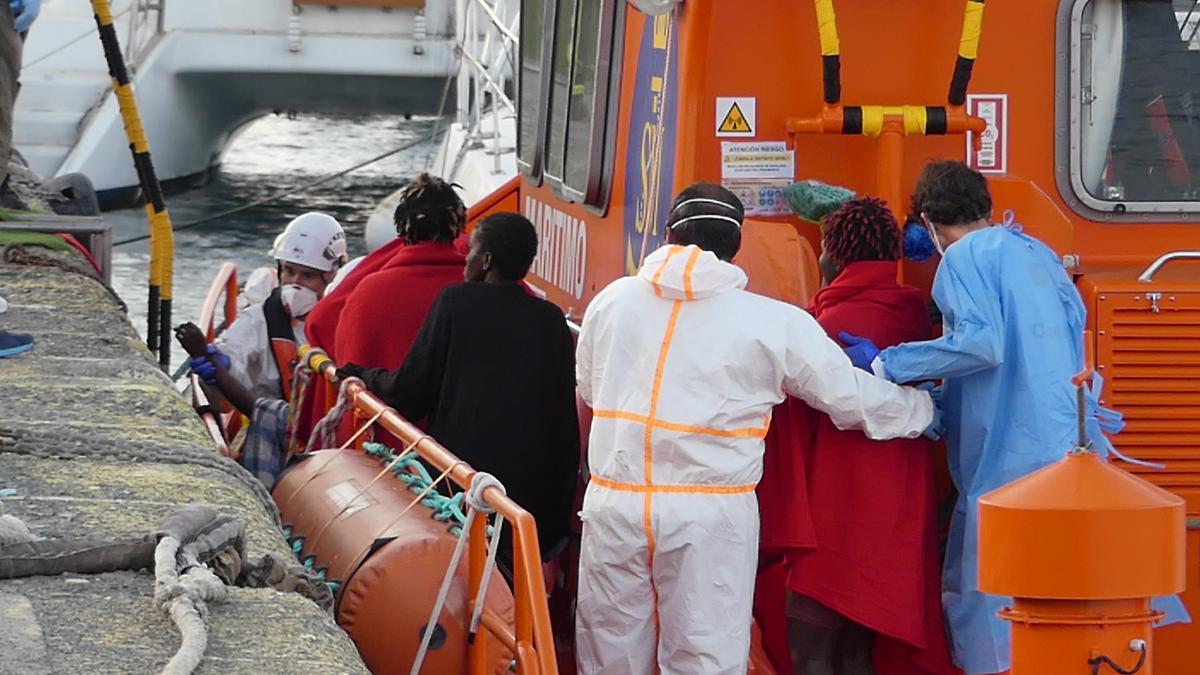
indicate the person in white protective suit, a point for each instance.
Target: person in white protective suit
{"x":262,"y":342}
{"x":682,"y":367}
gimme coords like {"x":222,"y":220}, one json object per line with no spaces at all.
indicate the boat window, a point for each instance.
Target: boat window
{"x":530,"y":83}
{"x":1135,"y":121}
{"x":560,"y":85}
{"x":576,"y":154}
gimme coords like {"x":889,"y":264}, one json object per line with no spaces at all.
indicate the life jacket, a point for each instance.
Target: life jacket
{"x":283,"y":340}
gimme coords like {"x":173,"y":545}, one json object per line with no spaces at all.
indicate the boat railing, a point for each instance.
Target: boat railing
{"x":530,"y":639}
{"x":146,"y":23}
{"x":222,"y":293}
{"x":488,"y":49}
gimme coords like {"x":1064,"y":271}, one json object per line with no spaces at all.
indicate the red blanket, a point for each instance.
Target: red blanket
{"x":321,"y":326}
{"x":382,"y":317}
{"x":871,"y":504}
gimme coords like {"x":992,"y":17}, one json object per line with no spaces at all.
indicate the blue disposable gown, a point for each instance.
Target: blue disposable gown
{"x":1012,"y":340}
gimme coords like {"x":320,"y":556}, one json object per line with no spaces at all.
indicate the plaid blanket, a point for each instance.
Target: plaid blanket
{"x":266,"y":441}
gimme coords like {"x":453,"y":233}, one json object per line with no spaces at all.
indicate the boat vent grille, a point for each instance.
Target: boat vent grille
{"x":1151,"y":364}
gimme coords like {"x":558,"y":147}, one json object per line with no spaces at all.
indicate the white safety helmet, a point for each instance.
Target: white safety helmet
{"x":314,"y":240}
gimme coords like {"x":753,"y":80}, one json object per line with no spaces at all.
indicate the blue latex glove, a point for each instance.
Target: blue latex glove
{"x":936,"y":429}
{"x":203,"y":367}
{"x":860,"y":350}
{"x":24,"y":12}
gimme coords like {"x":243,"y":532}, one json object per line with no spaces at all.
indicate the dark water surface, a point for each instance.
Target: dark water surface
{"x":273,"y":154}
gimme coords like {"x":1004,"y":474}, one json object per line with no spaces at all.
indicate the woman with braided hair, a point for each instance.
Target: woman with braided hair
{"x":866,"y":597}
{"x":385,"y":308}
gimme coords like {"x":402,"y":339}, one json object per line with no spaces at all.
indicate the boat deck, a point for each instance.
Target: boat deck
{"x":97,"y":444}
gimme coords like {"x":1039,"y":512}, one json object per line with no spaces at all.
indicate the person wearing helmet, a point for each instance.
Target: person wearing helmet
{"x":261,"y":344}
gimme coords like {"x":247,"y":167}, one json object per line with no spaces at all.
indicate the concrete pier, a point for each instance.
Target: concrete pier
{"x":97,"y":443}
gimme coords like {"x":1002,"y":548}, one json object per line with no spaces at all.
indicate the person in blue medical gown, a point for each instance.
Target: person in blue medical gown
{"x":1012,"y":340}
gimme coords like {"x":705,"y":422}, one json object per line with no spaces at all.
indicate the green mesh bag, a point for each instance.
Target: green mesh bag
{"x":812,"y":200}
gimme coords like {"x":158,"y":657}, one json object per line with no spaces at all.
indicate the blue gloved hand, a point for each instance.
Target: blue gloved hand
{"x":24,"y":12}
{"x":936,"y":429}
{"x":204,"y":368}
{"x":860,"y":350}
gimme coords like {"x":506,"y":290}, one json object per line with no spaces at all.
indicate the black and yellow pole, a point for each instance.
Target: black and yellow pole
{"x":162,"y":241}
{"x":831,"y":61}
{"x":968,"y":51}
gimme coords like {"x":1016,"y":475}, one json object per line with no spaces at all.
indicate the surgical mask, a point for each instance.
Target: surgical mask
{"x":298,"y":299}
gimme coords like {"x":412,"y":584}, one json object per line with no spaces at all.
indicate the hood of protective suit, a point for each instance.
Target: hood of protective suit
{"x":689,"y":273}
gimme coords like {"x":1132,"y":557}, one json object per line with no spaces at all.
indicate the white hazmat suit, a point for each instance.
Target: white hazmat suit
{"x":682,"y":368}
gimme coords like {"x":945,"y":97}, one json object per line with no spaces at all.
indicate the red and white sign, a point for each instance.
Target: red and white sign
{"x":992,"y":155}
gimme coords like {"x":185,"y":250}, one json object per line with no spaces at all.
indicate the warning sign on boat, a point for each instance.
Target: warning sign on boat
{"x":736,"y":115}
{"x":757,"y":160}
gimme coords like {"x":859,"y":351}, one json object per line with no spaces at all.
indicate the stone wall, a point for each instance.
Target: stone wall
{"x":97,"y":443}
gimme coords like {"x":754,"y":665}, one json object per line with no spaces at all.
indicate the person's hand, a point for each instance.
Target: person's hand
{"x":860,"y":350}
{"x":349,"y":370}
{"x":204,"y":355}
{"x":936,"y":429}
{"x":192,"y":339}
{"x":205,"y":367}
{"x":24,"y":13}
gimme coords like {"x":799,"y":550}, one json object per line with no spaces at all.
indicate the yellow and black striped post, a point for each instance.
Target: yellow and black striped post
{"x":162,"y":241}
{"x":831,"y":60}
{"x":968,"y":50}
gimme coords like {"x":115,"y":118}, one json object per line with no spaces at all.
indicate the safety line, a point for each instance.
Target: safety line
{"x":293,"y":190}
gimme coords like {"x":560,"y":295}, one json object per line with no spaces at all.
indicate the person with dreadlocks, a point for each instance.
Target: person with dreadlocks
{"x":865,"y":598}
{"x":384,"y":309}
{"x":682,"y":367}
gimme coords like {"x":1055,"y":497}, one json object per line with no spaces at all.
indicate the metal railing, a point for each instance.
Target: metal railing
{"x":146,"y":24}
{"x":530,"y":638}
{"x":488,"y":50}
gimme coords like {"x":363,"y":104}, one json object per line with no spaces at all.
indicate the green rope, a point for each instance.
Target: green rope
{"x":412,"y":472}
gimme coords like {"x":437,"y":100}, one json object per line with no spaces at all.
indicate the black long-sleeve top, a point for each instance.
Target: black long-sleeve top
{"x":493,"y":372}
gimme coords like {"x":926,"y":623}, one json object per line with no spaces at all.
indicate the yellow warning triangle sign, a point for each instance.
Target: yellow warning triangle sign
{"x":735,"y":121}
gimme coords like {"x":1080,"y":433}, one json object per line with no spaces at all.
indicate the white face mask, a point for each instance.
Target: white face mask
{"x":298,"y":299}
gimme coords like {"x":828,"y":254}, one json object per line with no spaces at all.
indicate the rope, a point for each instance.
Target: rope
{"x":437,"y":127}
{"x":479,"y":483}
{"x":302,"y":376}
{"x":290,"y":191}
{"x":70,"y":42}
{"x":324,"y":432}
{"x":184,"y":597}
{"x":17,"y":254}
{"x":475,"y":500}
{"x":408,"y":468}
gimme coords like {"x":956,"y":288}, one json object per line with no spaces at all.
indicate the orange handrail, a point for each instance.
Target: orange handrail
{"x":532,"y":635}
{"x":224,"y":284}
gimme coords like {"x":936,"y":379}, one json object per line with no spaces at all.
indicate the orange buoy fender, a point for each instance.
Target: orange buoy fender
{"x":388,"y":565}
